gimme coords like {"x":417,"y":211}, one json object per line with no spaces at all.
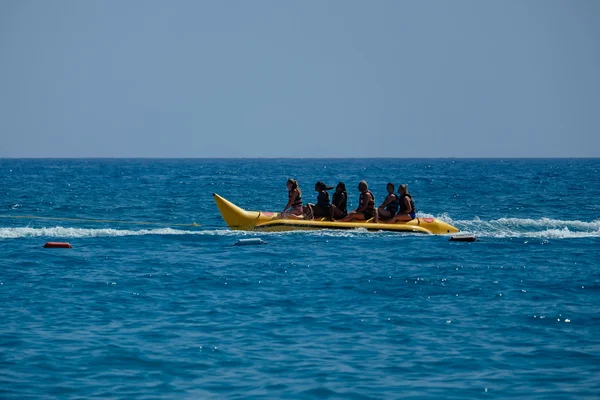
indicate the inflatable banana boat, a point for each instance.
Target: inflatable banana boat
{"x":240,"y":219}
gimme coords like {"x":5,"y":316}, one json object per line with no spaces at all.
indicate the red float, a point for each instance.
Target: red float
{"x":58,"y":245}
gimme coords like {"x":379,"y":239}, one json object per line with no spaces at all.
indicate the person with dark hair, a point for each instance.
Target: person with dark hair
{"x":389,"y":207}
{"x":340,"y":201}
{"x":323,"y":208}
{"x":366,"y":205}
{"x":293,"y":208}
{"x":406,"y":208}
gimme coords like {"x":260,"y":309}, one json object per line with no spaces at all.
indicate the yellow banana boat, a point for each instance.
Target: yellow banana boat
{"x":240,"y":219}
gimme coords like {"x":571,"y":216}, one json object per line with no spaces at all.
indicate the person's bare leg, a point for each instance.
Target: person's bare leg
{"x":354,"y":217}
{"x":383,"y":214}
{"x":295,"y":214}
{"x":401,"y":218}
{"x":337,"y":213}
{"x":309,"y":211}
{"x":347,"y":218}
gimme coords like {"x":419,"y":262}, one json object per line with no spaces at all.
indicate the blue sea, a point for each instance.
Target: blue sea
{"x":169,"y":310}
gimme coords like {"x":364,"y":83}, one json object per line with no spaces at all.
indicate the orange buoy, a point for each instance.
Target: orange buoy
{"x":58,"y":245}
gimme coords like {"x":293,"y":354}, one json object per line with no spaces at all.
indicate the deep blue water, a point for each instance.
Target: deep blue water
{"x":149,"y":311}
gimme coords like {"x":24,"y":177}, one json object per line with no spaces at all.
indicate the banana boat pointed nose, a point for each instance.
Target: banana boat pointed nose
{"x":234,"y":216}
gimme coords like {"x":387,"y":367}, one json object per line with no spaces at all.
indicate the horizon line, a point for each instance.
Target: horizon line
{"x":305,"y":158}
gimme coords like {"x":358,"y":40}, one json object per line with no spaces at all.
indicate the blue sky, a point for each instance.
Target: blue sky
{"x":299,"y":78}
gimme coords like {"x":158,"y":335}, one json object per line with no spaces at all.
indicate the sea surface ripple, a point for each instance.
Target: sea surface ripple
{"x":168,"y":311}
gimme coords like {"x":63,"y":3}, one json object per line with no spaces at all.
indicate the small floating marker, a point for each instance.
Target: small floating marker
{"x":249,"y":242}
{"x":58,"y":245}
{"x":463,"y":238}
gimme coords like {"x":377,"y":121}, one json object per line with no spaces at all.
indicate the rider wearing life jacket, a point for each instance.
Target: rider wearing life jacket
{"x":389,"y":207}
{"x":340,"y":201}
{"x":407,"y":210}
{"x":323,"y":207}
{"x":293,"y":208}
{"x":366,"y":205}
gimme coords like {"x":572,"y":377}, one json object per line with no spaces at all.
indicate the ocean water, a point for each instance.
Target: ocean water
{"x":145,"y":311}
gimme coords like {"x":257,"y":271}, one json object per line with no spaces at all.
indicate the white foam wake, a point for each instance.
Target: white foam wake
{"x":544,"y":228}
{"x":60,"y":232}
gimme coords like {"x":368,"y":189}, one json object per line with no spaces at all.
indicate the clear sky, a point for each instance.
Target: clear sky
{"x":148,"y":78}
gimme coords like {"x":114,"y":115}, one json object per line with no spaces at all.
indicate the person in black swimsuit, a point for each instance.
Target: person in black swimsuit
{"x":323,"y":207}
{"x":389,"y":207}
{"x":340,"y":201}
{"x":406,"y":209}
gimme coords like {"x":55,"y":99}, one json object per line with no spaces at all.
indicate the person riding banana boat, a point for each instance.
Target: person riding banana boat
{"x":389,"y":208}
{"x":406,"y":209}
{"x":340,"y":201}
{"x":366,"y":205}
{"x":323,"y":208}
{"x":293,"y":209}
